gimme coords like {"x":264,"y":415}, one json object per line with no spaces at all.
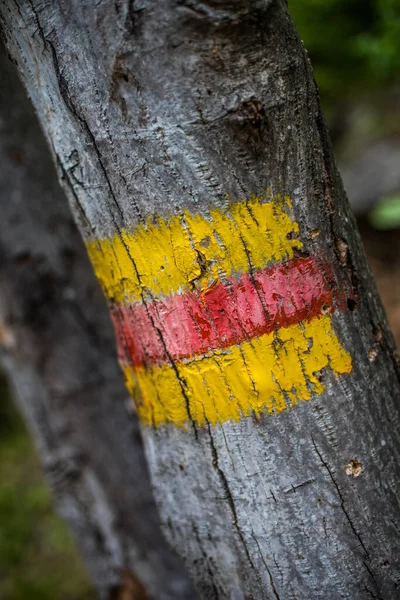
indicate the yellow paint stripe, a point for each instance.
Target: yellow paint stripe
{"x":268,"y":374}
{"x":169,"y":256}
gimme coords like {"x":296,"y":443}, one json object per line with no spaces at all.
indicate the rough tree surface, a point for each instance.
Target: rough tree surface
{"x":191,"y":143}
{"x":56,"y":343}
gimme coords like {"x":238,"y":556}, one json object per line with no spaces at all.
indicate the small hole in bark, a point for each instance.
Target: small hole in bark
{"x":319,"y":376}
{"x":205,"y":242}
{"x":181,"y":468}
{"x":325,"y":309}
{"x":353,"y":468}
{"x":293,"y":235}
{"x":378,"y":334}
{"x":351,"y":304}
{"x":300,"y":253}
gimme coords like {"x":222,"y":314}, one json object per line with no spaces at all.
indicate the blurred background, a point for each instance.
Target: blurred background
{"x":354,"y":46}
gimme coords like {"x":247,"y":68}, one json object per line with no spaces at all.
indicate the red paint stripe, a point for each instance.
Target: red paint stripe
{"x":224,"y":314}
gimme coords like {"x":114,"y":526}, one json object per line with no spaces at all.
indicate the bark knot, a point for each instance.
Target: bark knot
{"x":252,"y":112}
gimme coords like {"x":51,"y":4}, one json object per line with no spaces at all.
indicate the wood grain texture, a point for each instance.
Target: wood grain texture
{"x":152,"y":108}
{"x":56,"y":343}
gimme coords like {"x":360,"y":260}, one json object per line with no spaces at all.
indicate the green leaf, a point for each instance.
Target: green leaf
{"x":386,"y":214}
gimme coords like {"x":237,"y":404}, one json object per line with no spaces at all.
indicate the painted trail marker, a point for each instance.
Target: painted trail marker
{"x":222,"y":316}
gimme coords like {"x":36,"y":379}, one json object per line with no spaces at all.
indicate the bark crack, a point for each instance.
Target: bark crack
{"x":292,"y":489}
{"x":66,"y":177}
{"x":181,"y":381}
{"x":271,"y":580}
{"x":229,"y":497}
{"x":342,"y":503}
{"x":66,"y":96}
{"x":206,"y":560}
{"x":38,"y":23}
{"x":252,"y":279}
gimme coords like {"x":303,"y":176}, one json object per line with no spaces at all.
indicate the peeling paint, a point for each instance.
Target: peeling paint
{"x":166,"y":253}
{"x":269,"y":374}
{"x":218,"y":317}
{"x":223,"y":314}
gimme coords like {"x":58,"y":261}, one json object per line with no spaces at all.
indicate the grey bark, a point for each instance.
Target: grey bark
{"x":56,"y":343}
{"x":154,"y":106}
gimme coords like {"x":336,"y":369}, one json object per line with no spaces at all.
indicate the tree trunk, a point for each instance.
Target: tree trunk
{"x":190,"y":140}
{"x":57,"y":346}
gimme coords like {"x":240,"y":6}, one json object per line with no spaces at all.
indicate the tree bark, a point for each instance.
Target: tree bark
{"x":190,"y":140}
{"x":57,"y":345}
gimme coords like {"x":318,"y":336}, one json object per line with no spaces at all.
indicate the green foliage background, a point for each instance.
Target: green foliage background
{"x":354,"y":45}
{"x":38,"y":559}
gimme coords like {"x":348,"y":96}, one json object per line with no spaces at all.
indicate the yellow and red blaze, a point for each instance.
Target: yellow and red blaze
{"x":217,"y":318}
